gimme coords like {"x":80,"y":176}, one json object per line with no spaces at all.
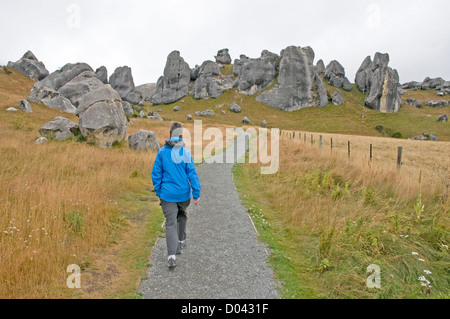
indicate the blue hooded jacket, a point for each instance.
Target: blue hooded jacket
{"x":174,"y":174}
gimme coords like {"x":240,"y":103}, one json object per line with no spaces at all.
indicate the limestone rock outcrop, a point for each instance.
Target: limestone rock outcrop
{"x":298,"y":85}
{"x":223,"y":57}
{"x":30,"y":66}
{"x":255,"y":75}
{"x":102,"y":119}
{"x":379,"y":82}
{"x":174,"y":85}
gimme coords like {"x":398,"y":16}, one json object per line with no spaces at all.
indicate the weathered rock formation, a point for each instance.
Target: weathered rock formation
{"x":380,"y":83}
{"x":443,"y":118}
{"x":102,"y":74}
{"x":101,"y":117}
{"x":414,"y":102}
{"x":255,"y":75}
{"x":144,"y":141}
{"x":223,"y":57}
{"x":25,"y":106}
{"x":60,"y":129}
{"x":52,"y":99}
{"x":206,"y":84}
{"x":82,"y":84}
{"x":174,"y":85}
{"x":61,"y":77}
{"x":320,"y":67}
{"x":337,"y":98}
{"x":205,"y":113}
{"x":298,"y":85}
{"x":30,"y":66}
{"x":335,"y":74}
{"x":147,"y":90}
{"x":437,"y":103}
{"x":47,"y":90}
{"x":235,"y":108}
{"x":122,"y":81}
{"x":429,"y":83}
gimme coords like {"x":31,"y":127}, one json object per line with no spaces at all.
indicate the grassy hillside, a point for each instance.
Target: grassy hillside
{"x":345,"y":119}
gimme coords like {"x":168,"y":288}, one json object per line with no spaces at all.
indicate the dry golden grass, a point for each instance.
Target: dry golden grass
{"x":60,"y":204}
{"x":326,"y":218}
{"x":432,"y":158}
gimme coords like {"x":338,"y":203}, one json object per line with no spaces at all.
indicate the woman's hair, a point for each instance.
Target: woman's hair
{"x":176,"y":130}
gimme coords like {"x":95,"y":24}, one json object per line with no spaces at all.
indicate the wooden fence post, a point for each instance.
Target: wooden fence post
{"x":349,"y":149}
{"x":320,"y":143}
{"x":371,"y":152}
{"x":399,"y":157}
{"x":331,"y":145}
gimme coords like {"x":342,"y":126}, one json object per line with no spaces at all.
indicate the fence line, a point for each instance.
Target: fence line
{"x":292,"y":134}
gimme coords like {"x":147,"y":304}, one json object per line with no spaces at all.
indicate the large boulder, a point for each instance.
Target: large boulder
{"x":206,"y":85}
{"x":297,"y":82}
{"x":206,"y":113}
{"x":61,"y":77}
{"x":25,"y":106}
{"x":380,"y":83}
{"x":223,"y":57}
{"x":414,"y":102}
{"x":235,"y":108}
{"x":64,"y":88}
{"x":102,"y":74}
{"x":443,"y":118}
{"x":429,"y":83}
{"x":59,"y":128}
{"x":436,"y":103}
{"x":144,"y":141}
{"x":102,"y":119}
{"x":238,"y":64}
{"x":257,"y":74}
{"x":79,"y":86}
{"x":335,"y":74}
{"x":320,"y":67}
{"x":134,"y":97}
{"x":413,"y":85}
{"x":337,"y":98}
{"x":127,"y":108}
{"x":30,"y":66}
{"x":147,"y":90}
{"x":122,"y":81}
{"x":174,"y":85}
{"x":52,"y":99}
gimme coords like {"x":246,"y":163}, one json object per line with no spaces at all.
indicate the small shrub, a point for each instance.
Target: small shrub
{"x":380,"y":128}
{"x":134,"y":174}
{"x":75,"y":221}
{"x":397,"y":135}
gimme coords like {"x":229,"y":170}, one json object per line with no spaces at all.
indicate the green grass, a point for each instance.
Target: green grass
{"x":139,"y":225}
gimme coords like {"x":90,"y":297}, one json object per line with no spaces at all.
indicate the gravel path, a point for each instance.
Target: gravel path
{"x":223,"y":258}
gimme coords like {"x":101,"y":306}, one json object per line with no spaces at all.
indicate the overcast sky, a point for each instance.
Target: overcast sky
{"x":141,"y":34}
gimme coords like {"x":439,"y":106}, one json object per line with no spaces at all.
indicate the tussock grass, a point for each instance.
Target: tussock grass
{"x":327,"y":218}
